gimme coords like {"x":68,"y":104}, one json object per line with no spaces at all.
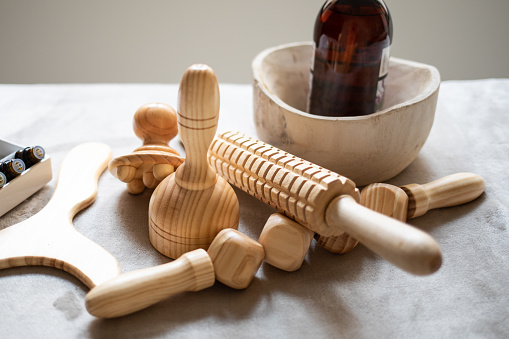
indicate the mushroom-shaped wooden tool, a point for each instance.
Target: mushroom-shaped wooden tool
{"x":156,"y":125}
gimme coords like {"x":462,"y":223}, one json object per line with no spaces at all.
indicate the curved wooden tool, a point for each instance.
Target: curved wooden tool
{"x":191,"y":206}
{"x":233,"y":259}
{"x":320,"y":200}
{"x":156,"y":125}
{"x":49,"y":238}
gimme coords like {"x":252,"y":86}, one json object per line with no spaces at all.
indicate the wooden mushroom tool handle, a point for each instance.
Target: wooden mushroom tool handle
{"x":320,"y":200}
{"x":136,"y":290}
{"x":451,"y":190}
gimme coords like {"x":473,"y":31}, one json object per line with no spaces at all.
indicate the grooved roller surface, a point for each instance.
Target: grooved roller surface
{"x":295,"y":187}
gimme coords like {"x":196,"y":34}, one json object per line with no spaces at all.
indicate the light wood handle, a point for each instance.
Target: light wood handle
{"x":405,"y":246}
{"x":452,"y":190}
{"x":198,"y":114}
{"x":136,"y":290}
{"x":305,"y":192}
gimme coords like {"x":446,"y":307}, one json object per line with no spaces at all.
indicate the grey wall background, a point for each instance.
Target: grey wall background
{"x":70,"y":41}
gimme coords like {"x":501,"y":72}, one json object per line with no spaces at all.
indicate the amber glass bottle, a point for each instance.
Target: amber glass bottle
{"x":352,"y":40}
{"x":30,"y":155}
{"x":12,"y":168}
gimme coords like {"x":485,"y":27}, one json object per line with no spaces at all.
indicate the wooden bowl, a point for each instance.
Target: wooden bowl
{"x":366,"y":149}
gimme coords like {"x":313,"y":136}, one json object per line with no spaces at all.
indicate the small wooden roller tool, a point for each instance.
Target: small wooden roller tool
{"x":191,"y":206}
{"x":410,"y":201}
{"x":320,"y":200}
{"x":233,"y":259}
{"x":156,"y":125}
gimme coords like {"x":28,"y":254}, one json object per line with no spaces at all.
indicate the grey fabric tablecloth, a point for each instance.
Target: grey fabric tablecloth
{"x":353,"y":295}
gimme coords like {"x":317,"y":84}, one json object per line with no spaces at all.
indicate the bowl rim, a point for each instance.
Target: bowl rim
{"x":429,"y":90}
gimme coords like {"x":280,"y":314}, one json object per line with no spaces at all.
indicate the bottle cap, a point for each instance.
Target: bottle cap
{"x":18,"y":165}
{"x":39,"y":152}
{"x":3,"y":180}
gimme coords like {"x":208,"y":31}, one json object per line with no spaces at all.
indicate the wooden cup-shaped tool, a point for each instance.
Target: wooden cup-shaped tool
{"x":190,"y":207}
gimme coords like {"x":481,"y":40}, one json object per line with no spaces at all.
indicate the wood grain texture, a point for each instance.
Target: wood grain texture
{"x":295,"y":187}
{"x":156,"y":125}
{"x":410,"y":201}
{"x":136,"y":290}
{"x":285,"y":242}
{"x":387,"y":199}
{"x":236,"y":258}
{"x":366,"y":149}
{"x":49,"y":238}
{"x":320,"y":200}
{"x":190,"y":207}
{"x":342,"y":243}
{"x":405,"y":246}
{"x":452,"y":190}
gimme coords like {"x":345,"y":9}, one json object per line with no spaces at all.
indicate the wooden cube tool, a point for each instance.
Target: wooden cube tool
{"x":285,"y":242}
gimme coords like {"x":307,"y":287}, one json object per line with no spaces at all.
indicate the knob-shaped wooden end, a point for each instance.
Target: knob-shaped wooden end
{"x":236,"y":258}
{"x":386,"y":199}
{"x":155,"y":124}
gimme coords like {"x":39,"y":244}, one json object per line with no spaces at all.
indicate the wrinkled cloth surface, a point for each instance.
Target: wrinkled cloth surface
{"x":357,"y":294}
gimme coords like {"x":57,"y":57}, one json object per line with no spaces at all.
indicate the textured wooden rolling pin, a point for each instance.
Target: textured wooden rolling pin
{"x":233,"y":259}
{"x":410,"y":201}
{"x":320,"y":200}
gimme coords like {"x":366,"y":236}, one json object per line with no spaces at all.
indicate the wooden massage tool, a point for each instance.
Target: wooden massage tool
{"x":49,"y":238}
{"x":233,"y":259}
{"x":320,"y":200}
{"x":191,"y":206}
{"x":286,"y":242}
{"x":410,"y":201}
{"x":156,"y":125}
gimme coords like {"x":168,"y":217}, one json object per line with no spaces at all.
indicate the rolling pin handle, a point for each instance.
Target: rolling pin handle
{"x":403,"y":245}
